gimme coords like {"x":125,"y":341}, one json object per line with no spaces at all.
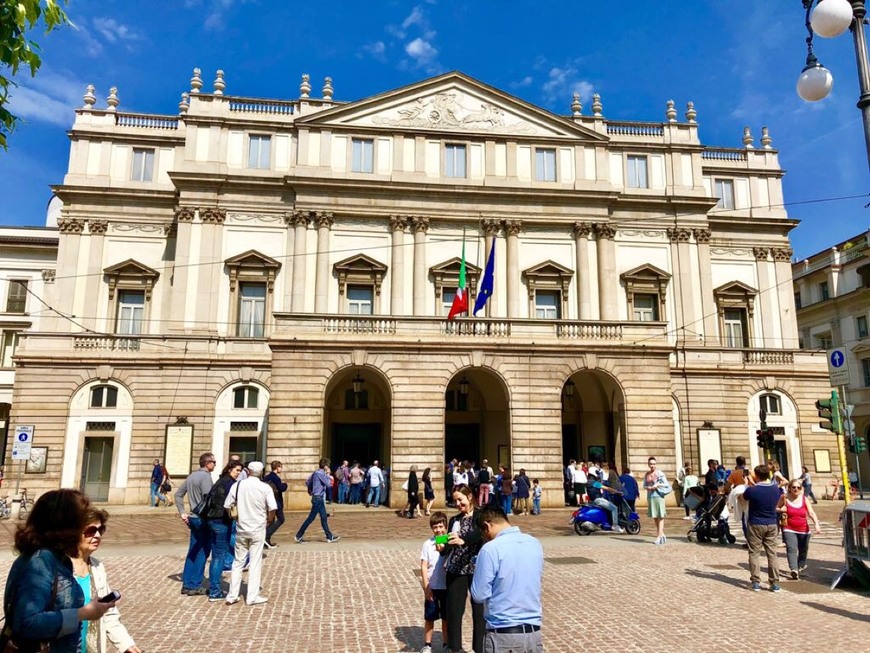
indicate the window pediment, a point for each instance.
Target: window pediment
{"x":131,"y":274}
{"x":735,"y":294}
{"x":360,"y":269}
{"x":646,"y":273}
{"x":252,"y":266}
{"x":548,"y":275}
{"x":646,"y":279}
{"x":446,"y":275}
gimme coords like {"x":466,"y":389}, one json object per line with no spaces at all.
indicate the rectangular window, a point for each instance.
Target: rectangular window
{"x":447,"y":297}
{"x":455,"y":401}
{"x":824,"y":293}
{"x":9,"y":345}
{"x":865,"y":367}
{"x":16,"y":300}
{"x":260,"y":152}
{"x":824,"y":341}
{"x":143,"y":165}
{"x":861,"y":326}
{"x":637,"y":177}
{"x":363,"y":155}
{"x":735,"y":327}
{"x":548,"y":304}
{"x":131,"y":312}
{"x":243,"y":446}
{"x":646,"y":308}
{"x":724,"y":190}
{"x":359,"y":300}
{"x":252,"y":309}
{"x":454,"y":160}
{"x":545,"y":165}
{"x":797,"y":300}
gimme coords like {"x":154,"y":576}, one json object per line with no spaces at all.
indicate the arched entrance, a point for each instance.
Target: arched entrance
{"x":477,"y":418}
{"x":356,"y":417}
{"x":593,"y":418}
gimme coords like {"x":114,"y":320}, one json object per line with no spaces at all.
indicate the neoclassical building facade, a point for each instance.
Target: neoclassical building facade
{"x":272,"y":278}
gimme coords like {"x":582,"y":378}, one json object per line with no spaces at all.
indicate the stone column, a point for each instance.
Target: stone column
{"x":421,"y":226}
{"x":211,"y":273}
{"x":512,"y":229}
{"x":708,"y":301}
{"x":69,"y":243}
{"x":321,"y":281}
{"x":397,"y":266}
{"x":490,"y":230}
{"x":584,"y":286}
{"x":181,"y":271}
{"x":300,"y":226}
{"x":607,"y":283}
{"x":785,"y":287}
{"x":766,"y":336}
{"x":684,"y":304}
{"x":94,"y":278}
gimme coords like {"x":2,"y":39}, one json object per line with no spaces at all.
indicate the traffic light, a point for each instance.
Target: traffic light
{"x":853,"y":445}
{"x":764,"y":438}
{"x":760,"y":437}
{"x":829,"y":410}
{"x":860,"y":444}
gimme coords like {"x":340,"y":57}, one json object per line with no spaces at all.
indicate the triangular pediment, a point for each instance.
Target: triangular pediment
{"x":360,"y":262}
{"x":548,"y":269}
{"x":451,"y":267}
{"x":131,"y":268}
{"x":252,"y":259}
{"x":645,"y":271}
{"x":735,"y":289}
{"x":452,"y":102}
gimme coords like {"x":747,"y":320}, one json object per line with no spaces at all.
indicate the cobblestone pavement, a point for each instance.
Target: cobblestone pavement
{"x":361,"y":595}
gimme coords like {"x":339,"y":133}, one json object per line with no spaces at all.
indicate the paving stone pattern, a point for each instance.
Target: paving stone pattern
{"x":601,"y":592}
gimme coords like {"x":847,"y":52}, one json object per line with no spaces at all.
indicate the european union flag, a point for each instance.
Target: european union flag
{"x":486,"y":284}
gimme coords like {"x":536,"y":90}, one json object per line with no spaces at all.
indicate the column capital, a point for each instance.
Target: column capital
{"x":782,"y":254}
{"x":48,"y":276}
{"x":70,"y":225}
{"x":323,"y":219}
{"x":760,"y":253}
{"x":398,"y":222}
{"x":184,"y":213}
{"x":97,"y":227}
{"x":297,"y":218}
{"x":701,"y":235}
{"x":491,"y":227}
{"x":513,"y":227}
{"x":420,"y":223}
{"x":582,"y":229}
{"x":604,"y":230}
{"x":679,"y":234}
{"x":212,"y":215}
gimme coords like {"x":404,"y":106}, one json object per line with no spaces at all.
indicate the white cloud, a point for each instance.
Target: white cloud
{"x":523,"y":83}
{"x":421,"y":51}
{"x":113,"y":31}
{"x":377,"y":50}
{"x":563,"y":82}
{"x":416,"y":17}
{"x":49,"y":97}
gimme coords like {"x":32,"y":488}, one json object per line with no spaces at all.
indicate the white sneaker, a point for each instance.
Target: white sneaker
{"x":257,"y":600}
{"x":618,"y":529}
{"x":426,"y":649}
{"x":232,"y":601}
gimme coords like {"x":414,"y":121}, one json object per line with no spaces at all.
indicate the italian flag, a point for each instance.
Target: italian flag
{"x":460,"y":301}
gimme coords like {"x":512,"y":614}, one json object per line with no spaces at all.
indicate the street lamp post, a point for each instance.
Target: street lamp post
{"x":829,"y":19}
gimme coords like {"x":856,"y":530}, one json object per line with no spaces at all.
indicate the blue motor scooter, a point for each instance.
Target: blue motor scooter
{"x":590,"y":518}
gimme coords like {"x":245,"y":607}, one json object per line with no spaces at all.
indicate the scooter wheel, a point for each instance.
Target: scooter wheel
{"x":578,"y":528}
{"x":731,"y":539}
{"x":633,"y":527}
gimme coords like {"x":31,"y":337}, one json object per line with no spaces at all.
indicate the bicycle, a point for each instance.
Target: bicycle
{"x":25,"y":505}
{"x":5,"y":508}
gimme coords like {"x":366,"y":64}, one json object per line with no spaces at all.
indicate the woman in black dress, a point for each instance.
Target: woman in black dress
{"x":463,"y":545}
{"x":428,"y":490}
{"x":413,"y":492}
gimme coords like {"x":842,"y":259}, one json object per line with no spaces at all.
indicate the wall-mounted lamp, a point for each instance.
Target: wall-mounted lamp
{"x":357,"y":384}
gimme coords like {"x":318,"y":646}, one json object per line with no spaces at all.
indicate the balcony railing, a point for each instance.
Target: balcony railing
{"x":265,"y":107}
{"x":146,"y":121}
{"x":768,"y":357}
{"x":723,"y":154}
{"x":635,"y":129}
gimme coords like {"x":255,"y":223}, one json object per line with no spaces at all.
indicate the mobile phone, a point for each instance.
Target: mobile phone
{"x":111,"y":597}
{"x":441,"y":539}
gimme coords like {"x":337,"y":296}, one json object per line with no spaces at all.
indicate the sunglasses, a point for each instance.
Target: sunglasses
{"x":90,"y":531}
{"x":794,"y":487}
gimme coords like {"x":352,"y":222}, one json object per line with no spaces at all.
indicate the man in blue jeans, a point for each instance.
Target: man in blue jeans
{"x":196,"y":486}
{"x":376,"y":479}
{"x":157,"y":476}
{"x":318,"y":485}
{"x":761,"y":531}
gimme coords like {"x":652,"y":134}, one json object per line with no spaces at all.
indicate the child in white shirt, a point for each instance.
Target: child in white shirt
{"x":433,"y":578}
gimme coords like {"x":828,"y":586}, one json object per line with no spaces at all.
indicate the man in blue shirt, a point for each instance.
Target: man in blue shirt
{"x":630,"y":490}
{"x":507,"y":580}
{"x":761,"y":529}
{"x":318,"y":485}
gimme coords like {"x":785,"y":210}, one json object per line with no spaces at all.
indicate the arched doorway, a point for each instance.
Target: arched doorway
{"x":477,"y":418}
{"x":357,"y":417}
{"x":593,"y":418}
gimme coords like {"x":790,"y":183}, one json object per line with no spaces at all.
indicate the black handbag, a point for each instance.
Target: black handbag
{"x":202,"y":508}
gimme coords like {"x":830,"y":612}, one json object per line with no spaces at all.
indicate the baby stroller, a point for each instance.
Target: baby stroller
{"x":712,"y":522}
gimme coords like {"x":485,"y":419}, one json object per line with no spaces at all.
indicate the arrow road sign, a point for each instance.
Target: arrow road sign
{"x":838,"y":366}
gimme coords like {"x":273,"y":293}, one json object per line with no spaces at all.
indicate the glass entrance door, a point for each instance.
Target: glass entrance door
{"x":97,"y":467}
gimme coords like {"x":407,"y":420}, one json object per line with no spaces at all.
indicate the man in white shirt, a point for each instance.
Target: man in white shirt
{"x":256,"y":504}
{"x":376,"y":477}
{"x":578,"y":481}
{"x":460,"y":475}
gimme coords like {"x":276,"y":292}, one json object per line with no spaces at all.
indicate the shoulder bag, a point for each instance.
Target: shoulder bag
{"x":233,"y":510}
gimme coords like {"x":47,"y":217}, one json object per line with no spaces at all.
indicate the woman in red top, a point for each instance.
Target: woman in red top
{"x":795,"y":516}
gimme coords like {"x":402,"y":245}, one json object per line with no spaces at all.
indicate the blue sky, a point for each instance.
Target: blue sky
{"x":738,"y":60}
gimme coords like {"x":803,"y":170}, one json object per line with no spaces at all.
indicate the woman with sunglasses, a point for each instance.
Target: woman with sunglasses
{"x":798,"y":513}
{"x":43,"y":603}
{"x":221,"y":527}
{"x":91,"y":578}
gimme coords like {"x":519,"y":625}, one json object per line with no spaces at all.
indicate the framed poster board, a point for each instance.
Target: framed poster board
{"x":709,"y":446}
{"x":179,"y":449}
{"x":36,"y":463}
{"x":822,"y":458}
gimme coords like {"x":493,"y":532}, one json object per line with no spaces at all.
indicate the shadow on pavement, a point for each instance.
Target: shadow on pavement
{"x":412,"y":637}
{"x":722,"y":578}
{"x":837,"y":611}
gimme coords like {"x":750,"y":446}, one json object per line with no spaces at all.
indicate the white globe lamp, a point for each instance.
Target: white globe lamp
{"x":815,"y":83}
{"x":831,"y":18}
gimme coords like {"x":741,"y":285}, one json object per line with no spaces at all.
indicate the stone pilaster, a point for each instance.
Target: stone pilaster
{"x":324,"y":222}
{"x":93,"y":280}
{"x":685,"y":307}
{"x":491,"y":229}
{"x":69,"y":244}
{"x":582,"y":230}
{"x":300,"y":225}
{"x":765,"y":336}
{"x":211,"y":271}
{"x":708,"y":302}
{"x":420,"y":226}
{"x":183,"y":277}
{"x":397,"y":263}
{"x":785,"y":290}
{"x":512,"y":229}
{"x":607,"y":282}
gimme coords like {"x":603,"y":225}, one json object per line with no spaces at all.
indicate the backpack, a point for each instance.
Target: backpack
{"x":309,"y":484}
{"x":666,"y":488}
{"x":483,"y":476}
{"x":507,"y":486}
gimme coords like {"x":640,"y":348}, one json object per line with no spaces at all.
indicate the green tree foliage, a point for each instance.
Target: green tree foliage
{"x":17,"y":17}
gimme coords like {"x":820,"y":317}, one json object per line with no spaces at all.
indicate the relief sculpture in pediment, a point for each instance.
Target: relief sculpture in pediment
{"x":448,"y":110}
